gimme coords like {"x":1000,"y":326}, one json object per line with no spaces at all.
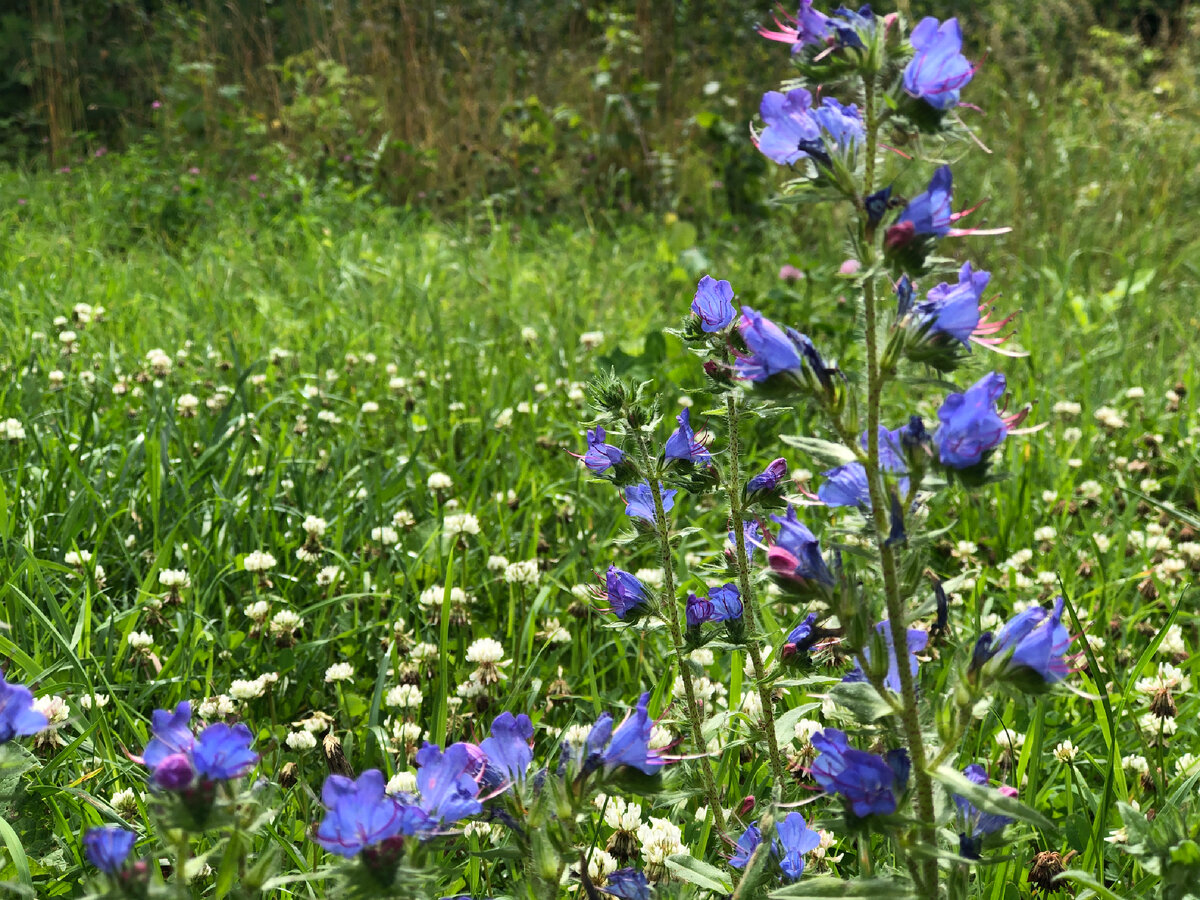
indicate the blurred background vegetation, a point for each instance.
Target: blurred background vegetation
{"x":531,"y":106}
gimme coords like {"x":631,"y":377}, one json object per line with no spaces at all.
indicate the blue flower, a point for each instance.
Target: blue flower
{"x":630,"y":744}
{"x":508,"y":751}
{"x":927,"y":213}
{"x":447,"y":790}
{"x":876,"y":205}
{"x":752,"y":535}
{"x":954,"y":310}
{"x":601,"y":457}
{"x":713,"y":304}
{"x":628,"y":884}
{"x":800,"y":639}
{"x":845,"y":485}
{"x":1033,"y":642}
{"x":870,"y":784}
{"x":918,"y":640}
{"x":771,"y":350}
{"x":849,"y":26}
{"x":639,"y":501}
{"x":726,"y":602}
{"x":794,"y":840}
{"x":795,"y":130}
{"x":904,"y":296}
{"x":970,"y":425}
{"x":769,"y":478}
{"x":108,"y":847}
{"x":974,"y":824}
{"x":360,"y":814}
{"x":796,"y":553}
{"x":746,"y":845}
{"x":222,"y":752}
{"x":175,"y":756}
{"x":682,"y":443}
{"x":18,"y":718}
{"x":938,"y":70}
{"x":623,"y":591}
{"x":809,"y":27}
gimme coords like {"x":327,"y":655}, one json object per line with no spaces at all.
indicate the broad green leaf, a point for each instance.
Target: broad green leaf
{"x":866,"y":888}
{"x":826,"y":452}
{"x":696,"y":871}
{"x":861,"y":700}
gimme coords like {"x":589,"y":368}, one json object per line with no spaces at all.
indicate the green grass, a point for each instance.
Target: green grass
{"x":446,"y":326}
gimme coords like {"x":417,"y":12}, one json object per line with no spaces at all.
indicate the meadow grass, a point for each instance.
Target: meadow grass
{"x":283,"y":353}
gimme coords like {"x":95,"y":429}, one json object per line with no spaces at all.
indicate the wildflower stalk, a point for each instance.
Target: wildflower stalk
{"x":750,"y":616}
{"x":909,"y":712}
{"x":669,"y":612}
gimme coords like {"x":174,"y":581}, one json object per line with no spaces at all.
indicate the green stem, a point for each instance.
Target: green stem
{"x":182,"y":852}
{"x":750,"y":614}
{"x":909,"y":714}
{"x":669,"y":612}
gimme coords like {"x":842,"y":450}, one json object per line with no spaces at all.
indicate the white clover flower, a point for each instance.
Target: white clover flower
{"x":402,"y":783}
{"x":1167,"y":677}
{"x":1072,"y":435}
{"x":94,"y":701}
{"x":369,"y":407}
{"x":339,"y":672}
{"x":555,"y":633}
{"x":159,"y":361}
{"x":1065,"y":752}
{"x":504,"y":418}
{"x":1103,"y":542}
{"x":1135,"y":393}
{"x":258,"y":561}
{"x":1138,"y":765}
{"x":590,"y":340}
{"x":460,"y":523}
{"x":328,"y":575}
{"x":1068,"y":409}
{"x":285,"y":622}
{"x":1110,"y":418}
{"x":524,"y":572}
{"x":1010,"y":741}
{"x":12,"y":430}
{"x":1172,"y":642}
{"x":439,"y":481}
{"x":405,"y":696}
{"x":174,"y":579}
{"x":385,"y":534}
{"x":661,"y":737}
{"x":485,"y":650}
{"x":410,"y":732}
{"x":1045,"y":533}
{"x":54,"y":708}
{"x":471,"y":688}
{"x":660,"y":839}
{"x":125,"y":801}
{"x":622,"y":814}
{"x":576,"y":735}
{"x":139,"y":640}
{"x":300,"y":740}
{"x":1153,"y":725}
{"x":217,"y":707}
{"x":702,"y":657}
{"x":247,"y":689}
{"x":1187,"y":764}
{"x":650,"y":577}
{"x":187,"y":404}
{"x":402,"y":518}
{"x":314,"y":526}
{"x":497,"y":563}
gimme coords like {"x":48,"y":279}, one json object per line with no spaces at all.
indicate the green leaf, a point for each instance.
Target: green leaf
{"x":826,"y":452}
{"x":696,"y":871}
{"x":1088,"y":880}
{"x":866,"y":888}
{"x":988,"y":799}
{"x":861,"y":700}
{"x":16,"y":852}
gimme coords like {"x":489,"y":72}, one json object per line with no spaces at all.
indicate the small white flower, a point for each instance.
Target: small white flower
{"x":591,"y":339}
{"x":174,"y":579}
{"x":1138,"y":765}
{"x":216,"y":707}
{"x":660,"y":839}
{"x":328,"y":575}
{"x":54,"y":708}
{"x":285,"y":622}
{"x":460,"y":523}
{"x":497,"y":563}
{"x":1065,"y":752}
{"x":258,"y":561}
{"x":247,"y":689}
{"x":300,"y":740}
{"x":370,"y":407}
{"x":314,"y":526}
{"x":402,"y":783}
{"x":125,"y":801}
{"x":94,"y":701}
{"x":523,"y":572}
{"x":12,"y":430}
{"x":1045,"y":533}
{"x":384,"y":534}
{"x":139,"y":640}
{"x":405,"y":696}
{"x":485,"y":650}
{"x":339,"y":672}
{"x":1110,"y":418}
{"x":402,"y":518}
{"x":439,"y":481}
{"x":1067,"y":409}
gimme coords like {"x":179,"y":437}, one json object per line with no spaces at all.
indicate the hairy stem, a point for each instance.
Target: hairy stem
{"x":909,"y":715}
{"x":750,"y":613}
{"x":669,"y":612}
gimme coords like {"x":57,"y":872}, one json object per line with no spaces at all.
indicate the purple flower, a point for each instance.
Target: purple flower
{"x":623,"y":591}
{"x":1033,"y":642}
{"x":970,"y":425}
{"x":174,"y":774}
{"x":360,"y":814}
{"x":794,"y":839}
{"x":508,"y":751}
{"x":746,"y":845}
{"x":917,"y":641}
{"x":630,"y":744}
{"x":845,"y":485}
{"x":448,"y":792}
{"x":800,"y":639}
{"x":974,"y":824}
{"x":771,"y":350}
{"x":171,"y":734}
{"x":794,"y":130}
{"x":870,"y":784}
{"x":18,"y":718}
{"x":639,"y":501}
{"x":222,"y":752}
{"x":938,"y":71}
{"x":808,"y":27}
{"x":796,"y":553}
{"x":697,"y":610}
{"x":713,"y":304}
{"x":769,"y":478}
{"x":601,"y":457}
{"x":627,"y":884}
{"x":682,"y":443}
{"x":954,"y":310}
{"x":108,"y":847}
{"x":726,"y":603}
